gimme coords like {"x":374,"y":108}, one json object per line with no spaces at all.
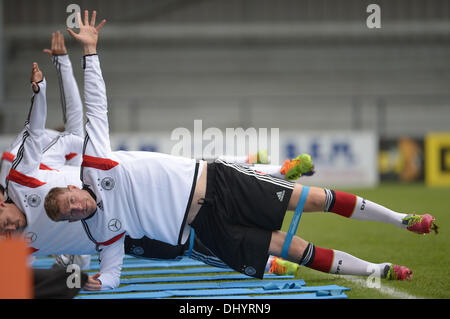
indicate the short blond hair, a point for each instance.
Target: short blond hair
{"x":51,"y":203}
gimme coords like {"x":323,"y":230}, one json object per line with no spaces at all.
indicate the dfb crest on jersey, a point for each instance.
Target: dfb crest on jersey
{"x":34,"y":200}
{"x":108,"y":183}
{"x":114,"y":225}
{"x":31,"y":237}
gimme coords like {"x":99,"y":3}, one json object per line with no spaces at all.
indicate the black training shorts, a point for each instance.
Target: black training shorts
{"x":240,"y":210}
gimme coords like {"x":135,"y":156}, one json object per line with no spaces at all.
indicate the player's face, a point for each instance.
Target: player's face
{"x":12,"y":220}
{"x":76,"y":204}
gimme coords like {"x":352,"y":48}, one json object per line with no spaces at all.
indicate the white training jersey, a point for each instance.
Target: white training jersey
{"x":59,"y":148}
{"x":63,"y":149}
{"x":137,"y":193}
{"x":27,"y":186}
{"x":10,"y":153}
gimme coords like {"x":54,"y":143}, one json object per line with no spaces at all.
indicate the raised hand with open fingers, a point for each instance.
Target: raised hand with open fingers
{"x":88,"y":35}
{"x":58,"y":47}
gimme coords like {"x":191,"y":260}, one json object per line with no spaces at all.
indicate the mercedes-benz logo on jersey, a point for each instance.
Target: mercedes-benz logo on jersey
{"x":114,"y":225}
{"x":108,"y":183}
{"x":31,"y":237}
{"x":34,"y":200}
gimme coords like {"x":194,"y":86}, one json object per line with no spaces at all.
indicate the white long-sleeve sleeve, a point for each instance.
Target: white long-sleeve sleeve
{"x":34,"y":137}
{"x":111,"y":260}
{"x":97,"y":144}
{"x":95,"y":101}
{"x":72,"y":107}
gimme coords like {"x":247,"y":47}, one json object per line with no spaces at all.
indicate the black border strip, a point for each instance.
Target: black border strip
{"x":194,"y":183}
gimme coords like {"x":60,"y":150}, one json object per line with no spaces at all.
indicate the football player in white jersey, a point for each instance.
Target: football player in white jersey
{"x":235,"y":212}
{"x":25,"y":183}
{"x":61,"y":152}
{"x":28,"y":184}
{"x":61,"y":149}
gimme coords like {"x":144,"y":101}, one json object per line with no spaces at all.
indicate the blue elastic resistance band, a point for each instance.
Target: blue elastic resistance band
{"x":191,"y":242}
{"x":295,"y":221}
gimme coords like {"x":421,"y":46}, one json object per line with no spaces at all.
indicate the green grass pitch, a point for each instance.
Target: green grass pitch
{"x":428,"y":256}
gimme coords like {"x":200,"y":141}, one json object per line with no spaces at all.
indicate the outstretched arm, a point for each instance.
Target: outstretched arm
{"x":97,"y":129}
{"x":72,"y":107}
{"x":29,"y":154}
{"x":34,"y":125}
{"x":111,"y":260}
{"x":34,"y":134}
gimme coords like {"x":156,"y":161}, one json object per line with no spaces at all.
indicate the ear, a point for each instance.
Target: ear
{"x":2,"y":203}
{"x":72,"y":187}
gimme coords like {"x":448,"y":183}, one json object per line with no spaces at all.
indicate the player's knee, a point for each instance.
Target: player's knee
{"x":316,"y":200}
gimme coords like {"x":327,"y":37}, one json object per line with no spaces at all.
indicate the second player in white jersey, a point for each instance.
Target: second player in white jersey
{"x":28,"y":186}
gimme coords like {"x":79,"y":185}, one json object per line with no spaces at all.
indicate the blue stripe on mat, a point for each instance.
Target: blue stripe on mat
{"x":320,"y":291}
{"x":136,"y":263}
{"x":143,"y":263}
{"x":93,"y":258}
{"x":196,"y":270}
{"x":203,"y":285}
{"x":195,"y":278}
